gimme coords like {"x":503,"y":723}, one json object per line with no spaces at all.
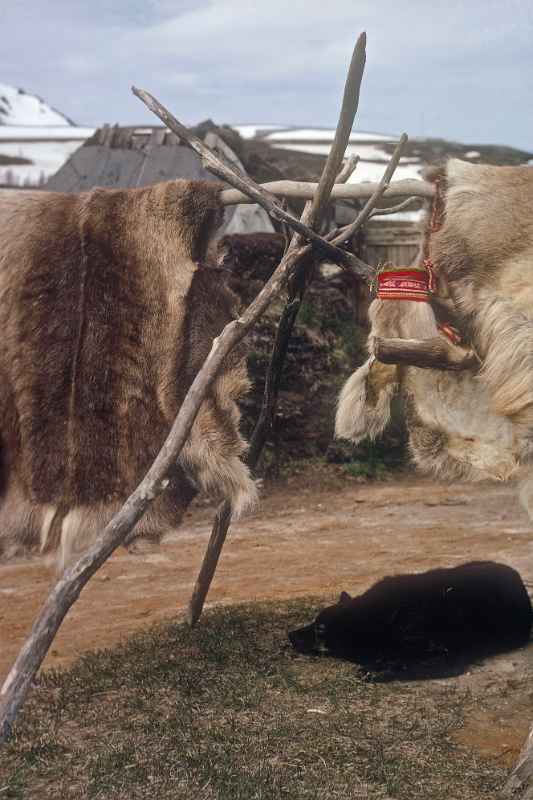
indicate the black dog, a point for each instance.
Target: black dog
{"x":464,"y":612}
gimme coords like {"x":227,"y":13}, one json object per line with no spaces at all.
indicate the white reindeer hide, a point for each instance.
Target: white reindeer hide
{"x":453,"y":433}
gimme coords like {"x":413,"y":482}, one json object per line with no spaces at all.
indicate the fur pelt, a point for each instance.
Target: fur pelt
{"x":452,"y":432}
{"x":484,"y":251}
{"x":107,"y":313}
{"x":465,"y":425}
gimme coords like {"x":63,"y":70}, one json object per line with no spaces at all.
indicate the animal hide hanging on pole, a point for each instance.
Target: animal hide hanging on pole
{"x":453,"y":433}
{"x":107,"y":313}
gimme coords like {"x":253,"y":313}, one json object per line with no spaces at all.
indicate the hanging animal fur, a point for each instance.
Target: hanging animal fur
{"x":452,"y":431}
{"x":107,"y":313}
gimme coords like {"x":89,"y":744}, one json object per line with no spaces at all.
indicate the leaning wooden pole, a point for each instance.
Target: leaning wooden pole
{"x":69,"y":586}
{"x":223,"y":516}
{"x":520,"y":783}
{"x":311,"y":217}
{"x":253,"y":190}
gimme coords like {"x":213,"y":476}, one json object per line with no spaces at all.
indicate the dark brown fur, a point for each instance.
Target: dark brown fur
{"x":107,"y":314}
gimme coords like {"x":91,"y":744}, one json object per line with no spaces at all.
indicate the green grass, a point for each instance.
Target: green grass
{"x":376,"y":460}
{"x":229,"y":711}
{"x":367,"y":469}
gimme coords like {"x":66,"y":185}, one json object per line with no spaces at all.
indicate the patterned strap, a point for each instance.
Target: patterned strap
{"x":404,"y":284}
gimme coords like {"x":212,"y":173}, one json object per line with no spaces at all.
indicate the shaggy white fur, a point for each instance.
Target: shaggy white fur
{"x":453,"y":432}
{"x":357,"y":418}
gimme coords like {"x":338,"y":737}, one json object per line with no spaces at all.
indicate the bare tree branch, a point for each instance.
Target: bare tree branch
{"x":347,"y":170}
{"x":207,"y":571}
{"x":350,"y":102}
{"x":520,"y":783}
{"x":350,"y":230}
{"x":394,"y":209}
{"x":436,"y":353}
{"x":252,"y":189}
{"x":351,"y":191}
{"x":311,"y":215}
{"x":68,"y":588}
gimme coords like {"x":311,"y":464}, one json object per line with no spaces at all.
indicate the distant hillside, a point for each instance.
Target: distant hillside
{"x":18,"y":107}
{"x":270,"y":152}
{"x":375,"y":149}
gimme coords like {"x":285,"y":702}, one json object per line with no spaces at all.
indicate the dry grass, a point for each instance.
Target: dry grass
{"x":229,"y":711}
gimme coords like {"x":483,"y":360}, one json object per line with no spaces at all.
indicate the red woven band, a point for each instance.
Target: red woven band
{"x":450,"y":332}
{"x":404,"y":284}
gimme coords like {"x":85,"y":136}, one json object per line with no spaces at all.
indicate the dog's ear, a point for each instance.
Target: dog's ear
{"x":344,"y":598}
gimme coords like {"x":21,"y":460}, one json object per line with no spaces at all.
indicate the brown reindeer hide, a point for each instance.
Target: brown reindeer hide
{"x":106,"y":315}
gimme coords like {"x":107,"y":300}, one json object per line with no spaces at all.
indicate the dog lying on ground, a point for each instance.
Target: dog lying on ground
{"x":463,"y":612}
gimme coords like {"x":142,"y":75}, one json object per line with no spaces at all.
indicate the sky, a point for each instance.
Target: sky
{"x":444,"y":68}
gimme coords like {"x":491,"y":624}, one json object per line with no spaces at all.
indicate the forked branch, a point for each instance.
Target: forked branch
{"x":254,"y":191}
{"x":350,"y":230}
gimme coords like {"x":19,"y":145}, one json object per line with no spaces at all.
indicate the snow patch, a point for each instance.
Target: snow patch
{"x":33,"y":130}
{"x":325,"y":135}
{"x":253,"y":131}
{"x":46,"y":158}
{"x":18,"y":107}
{"x":40,"y":133}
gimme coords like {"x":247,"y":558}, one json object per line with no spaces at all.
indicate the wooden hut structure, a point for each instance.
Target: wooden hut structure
{"x":121,"y":157}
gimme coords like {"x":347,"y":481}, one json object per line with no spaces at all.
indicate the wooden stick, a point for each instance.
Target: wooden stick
{"x":351,"y":191}
{"x":262,"y":427}
{"x":394,"y":209}
{"x":436,"y":353}
{"x":346,"y":233}
{"x":254,"y":190}
{"x":520,"y":783}
{"x":311,"y":215}
{"x":347,"y":171}
{"x":350,"y":103}
{"x":222,"y":521}
{"x":205,"y":577}
{"x":300,"y":282}
{"x":68,"y":588}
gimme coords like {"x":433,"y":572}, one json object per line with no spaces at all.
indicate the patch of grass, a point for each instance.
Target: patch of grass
{"x":367,"y":469}
{"x":229,"y":711}
{"x":375,"y":460}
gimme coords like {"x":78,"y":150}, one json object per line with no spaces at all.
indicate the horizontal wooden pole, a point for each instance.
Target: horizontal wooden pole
{"x":346,"y":191}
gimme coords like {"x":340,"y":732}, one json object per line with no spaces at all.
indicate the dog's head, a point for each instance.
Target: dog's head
{"x":330,"y":631}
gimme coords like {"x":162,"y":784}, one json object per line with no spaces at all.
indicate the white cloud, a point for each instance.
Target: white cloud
{"x":431,"y":69}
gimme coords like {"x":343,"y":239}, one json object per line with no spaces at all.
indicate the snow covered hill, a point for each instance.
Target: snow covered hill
{"x":18,"y":107}
{"x":35,"y":139}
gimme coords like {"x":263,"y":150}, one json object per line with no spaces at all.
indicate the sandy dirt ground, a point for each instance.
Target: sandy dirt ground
{"x":314,"y":534}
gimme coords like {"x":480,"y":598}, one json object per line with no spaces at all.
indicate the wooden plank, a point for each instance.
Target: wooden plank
{"x":164,"y":163}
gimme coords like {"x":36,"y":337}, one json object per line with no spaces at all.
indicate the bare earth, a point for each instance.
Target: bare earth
{"x":314,"y":534}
